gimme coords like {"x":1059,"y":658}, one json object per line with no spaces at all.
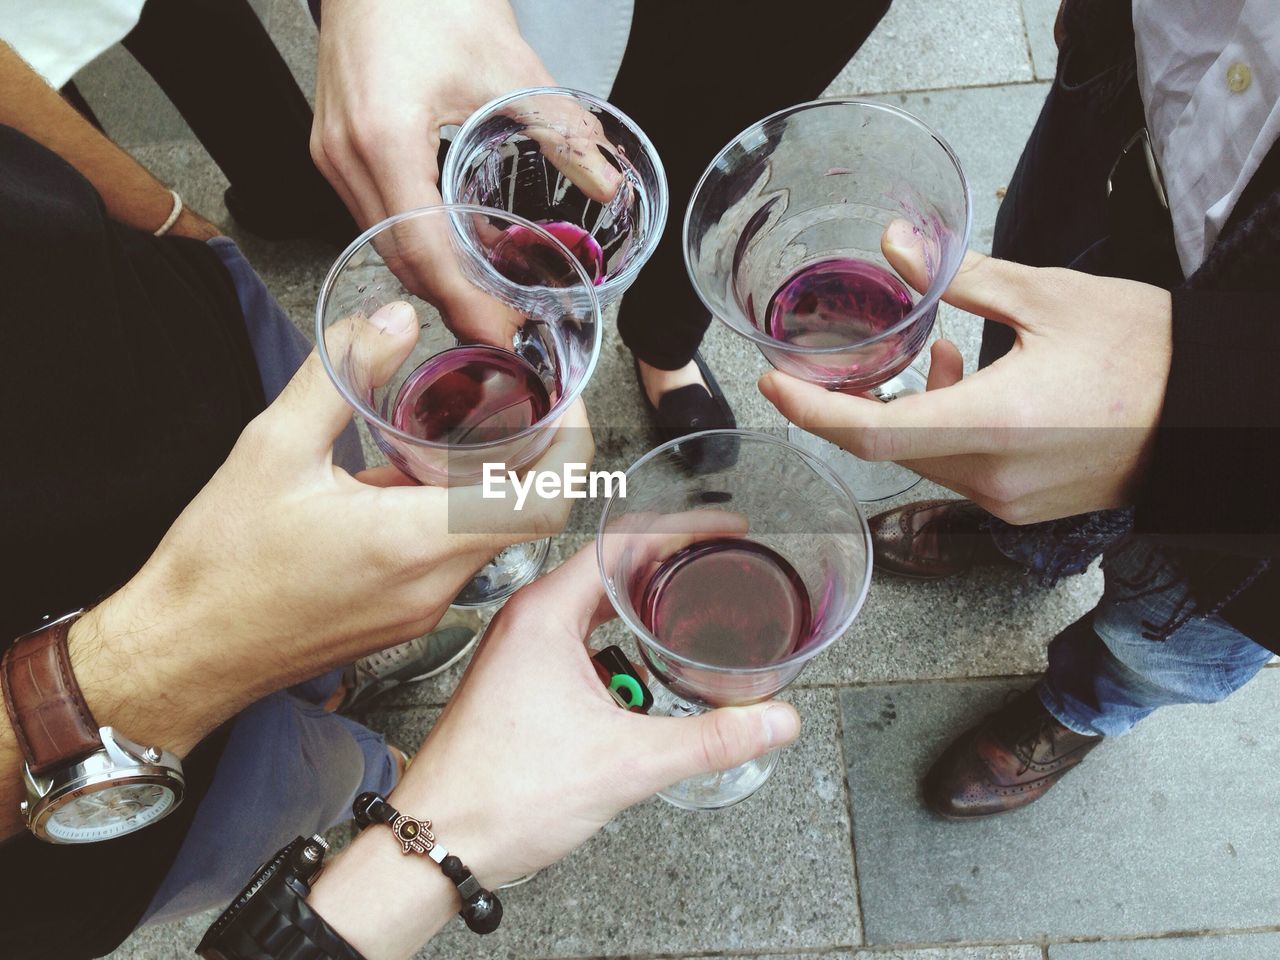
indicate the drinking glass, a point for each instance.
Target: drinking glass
{"x":809,"y":187}
{"x":511,"y":154}
{"x":547,"y":299}
{"x":709,"y":647}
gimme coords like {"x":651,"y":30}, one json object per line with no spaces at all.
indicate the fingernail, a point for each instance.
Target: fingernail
{"x":395,"y":317}
{"x":901,"y":234}
{"x":781,"y":725}
{"x":765,"y":385}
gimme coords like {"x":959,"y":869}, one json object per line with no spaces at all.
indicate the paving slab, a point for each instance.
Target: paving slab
{"x":169,"y":941}
{"x":1018,"y":952}
{"x":987,"y":128}
{"x":1247,"y":946}
{"x":720,"y":882}
{"x":928,"y":44}
{"x":1039,"y":16}
{"x":291,"y":27}
{"x":1168,"y":829}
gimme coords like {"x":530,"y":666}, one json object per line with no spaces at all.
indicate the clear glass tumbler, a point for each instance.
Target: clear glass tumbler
{"x":445,"y":261}
{"x":717,"y":639}
{"x":573,"y":164}
{"x":809,"y":189}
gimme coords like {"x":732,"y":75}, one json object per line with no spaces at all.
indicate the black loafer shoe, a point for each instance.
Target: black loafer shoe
{"x":692,"y":409}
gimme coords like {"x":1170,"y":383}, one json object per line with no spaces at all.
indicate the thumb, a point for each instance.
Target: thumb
{"x":363,"y":352}
{"x":719,"y":739}
{"x":999,"y":290}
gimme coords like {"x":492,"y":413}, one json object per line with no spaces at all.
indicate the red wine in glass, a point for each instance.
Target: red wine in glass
{"x":526,"y":258}
{"x":727,"y":602}
{"x":471,"y":394}
{"x":836,"y":302}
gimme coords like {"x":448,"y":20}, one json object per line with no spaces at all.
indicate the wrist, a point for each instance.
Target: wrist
{"x":383,"y":903}
{"x":387,"y":904}
{"x":190,"y":224}
{"x":138,"y":666}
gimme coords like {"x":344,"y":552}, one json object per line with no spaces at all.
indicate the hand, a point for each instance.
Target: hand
{"x":529,"y":759}
{"x":391,"y":74}
{"x":285,"y":566}
{"x":1061,"y":425}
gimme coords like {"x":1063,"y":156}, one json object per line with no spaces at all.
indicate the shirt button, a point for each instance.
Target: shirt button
{"x":1238,"y":77}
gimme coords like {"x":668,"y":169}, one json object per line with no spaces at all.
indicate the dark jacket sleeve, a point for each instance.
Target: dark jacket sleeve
{"x":1213,"y":480}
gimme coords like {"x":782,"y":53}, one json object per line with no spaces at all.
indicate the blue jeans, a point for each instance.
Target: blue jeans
{"x":290,"y":767}
{"x":1111,"y":668}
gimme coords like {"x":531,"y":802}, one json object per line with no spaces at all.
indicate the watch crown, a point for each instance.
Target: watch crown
{"x":151,"y":755}
{"x":23,"y":807}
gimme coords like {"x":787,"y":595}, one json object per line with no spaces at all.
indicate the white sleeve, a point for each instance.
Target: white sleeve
{"x":58,"y":37}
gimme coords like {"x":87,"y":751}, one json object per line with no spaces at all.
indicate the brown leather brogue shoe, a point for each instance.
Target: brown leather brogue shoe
{"x":932,"y":539}
{"x":1007,"y":761}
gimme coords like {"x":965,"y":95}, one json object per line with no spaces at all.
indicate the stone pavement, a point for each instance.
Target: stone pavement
{"x":835,"y":858}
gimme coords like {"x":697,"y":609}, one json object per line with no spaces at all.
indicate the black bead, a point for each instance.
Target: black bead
{"x":360,"y":808}
{"x":454,"y":869}
{"x":482,"y":913}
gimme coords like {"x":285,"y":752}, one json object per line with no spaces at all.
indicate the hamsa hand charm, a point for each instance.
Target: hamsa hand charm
{"x":415,"y":836}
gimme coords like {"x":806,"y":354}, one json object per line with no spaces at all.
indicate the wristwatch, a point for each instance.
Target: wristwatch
{"x":84,"y":783}
{"x":271,"y":919}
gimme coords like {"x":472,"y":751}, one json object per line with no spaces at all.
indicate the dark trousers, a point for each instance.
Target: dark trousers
{"x":217,"y":64}
{"x":694,"y":76}
{"x":1056,"y":212}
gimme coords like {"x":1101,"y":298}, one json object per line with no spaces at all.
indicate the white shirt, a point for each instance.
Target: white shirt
{"x":58,"y":37}
{"x":580,"y":41}
{"x":1209,"y":73}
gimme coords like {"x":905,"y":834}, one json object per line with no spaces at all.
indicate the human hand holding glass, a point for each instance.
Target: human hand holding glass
{"x":732,"y":578}
{"x":451,"y":407}
{"x":1062,"y":425}
{"x":391,"y":75}
{"x":783,"y":242}
{"x":531,"y":757}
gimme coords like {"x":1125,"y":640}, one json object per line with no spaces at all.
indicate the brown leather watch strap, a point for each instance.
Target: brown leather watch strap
{"x":49,"y":716}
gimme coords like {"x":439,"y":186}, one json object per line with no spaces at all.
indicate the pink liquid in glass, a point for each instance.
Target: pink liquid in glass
{"x":727,"y":602}
{"x":836,"y":302}
{"x":526,"y":258}
{"x":471,"y":394}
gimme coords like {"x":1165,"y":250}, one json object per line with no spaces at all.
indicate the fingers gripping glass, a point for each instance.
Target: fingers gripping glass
{"x":732,"y":579}
{"x":575,"y":165}
{"x":782,"y":240}
{"x":451,"y":402}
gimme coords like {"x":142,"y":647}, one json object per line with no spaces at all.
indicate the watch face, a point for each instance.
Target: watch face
{"x":111,"y":811}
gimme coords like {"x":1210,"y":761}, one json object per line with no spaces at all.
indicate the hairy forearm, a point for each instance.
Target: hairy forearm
{"x":131,"y":194}
{"x":135,"y":665}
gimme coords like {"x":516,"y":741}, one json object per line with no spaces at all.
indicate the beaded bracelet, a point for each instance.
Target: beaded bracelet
{"x":481,"y":909}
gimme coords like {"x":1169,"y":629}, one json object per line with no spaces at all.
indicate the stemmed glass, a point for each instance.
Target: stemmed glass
{"x":782,"y":241}
{"x":575,"y":165}
{"x":456,"y":404}
{"x":732,"y":579}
